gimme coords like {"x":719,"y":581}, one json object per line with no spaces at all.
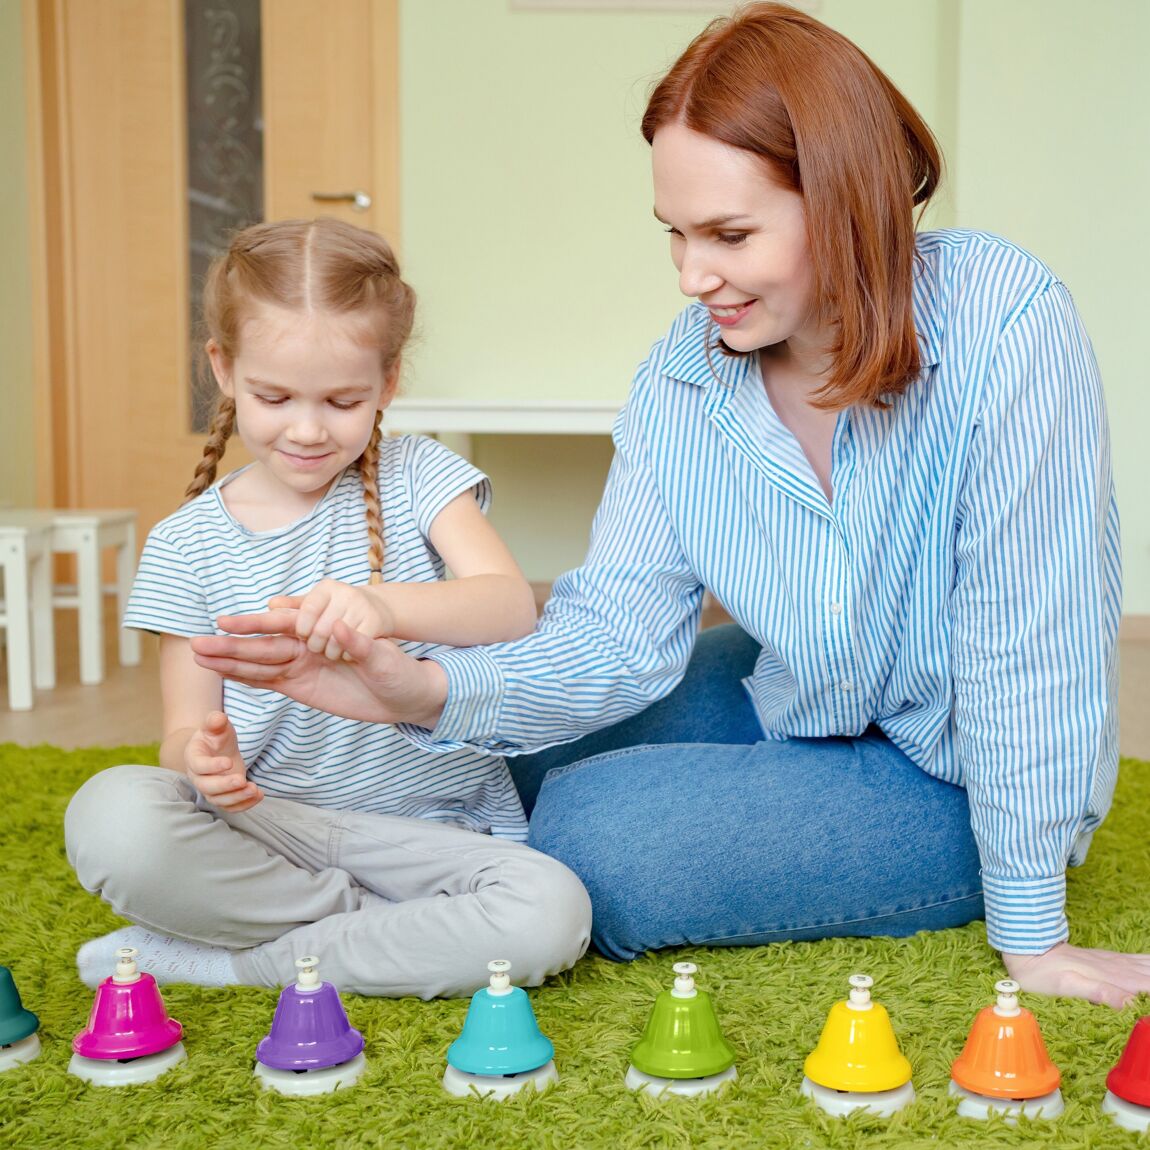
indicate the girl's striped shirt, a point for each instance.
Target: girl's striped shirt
{"x":200,"y":563}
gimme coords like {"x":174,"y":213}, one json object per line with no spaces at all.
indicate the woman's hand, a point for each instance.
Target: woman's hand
{"x":213,"y":762}
{"x":329,"y":602}
{"x":375,"y":682}
{"x":1104,"y":976}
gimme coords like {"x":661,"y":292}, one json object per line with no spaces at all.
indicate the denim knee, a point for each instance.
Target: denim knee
{"x":734,"y":844}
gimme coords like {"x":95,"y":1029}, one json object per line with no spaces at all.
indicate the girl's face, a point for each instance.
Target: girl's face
{"x":307,"y":394}
{"x":738,"y":239}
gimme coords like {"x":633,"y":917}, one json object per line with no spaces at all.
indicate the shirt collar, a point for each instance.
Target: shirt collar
{"x":693,"y":357}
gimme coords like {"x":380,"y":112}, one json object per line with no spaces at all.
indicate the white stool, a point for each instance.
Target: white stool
{"x":26,"y":560}
{"x":85,"y":533}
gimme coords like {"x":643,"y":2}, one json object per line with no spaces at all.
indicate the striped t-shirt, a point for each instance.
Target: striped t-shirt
{"x":200,"y":563}
{"x":961,"y":590}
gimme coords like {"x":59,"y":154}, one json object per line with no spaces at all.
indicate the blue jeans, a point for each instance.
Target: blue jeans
{"x":687,"y":827}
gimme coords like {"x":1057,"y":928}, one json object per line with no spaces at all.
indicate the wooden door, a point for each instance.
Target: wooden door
{"x":109,"y":145}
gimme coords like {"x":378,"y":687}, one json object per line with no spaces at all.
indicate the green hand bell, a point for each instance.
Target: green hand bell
{"x":682,"y":1050}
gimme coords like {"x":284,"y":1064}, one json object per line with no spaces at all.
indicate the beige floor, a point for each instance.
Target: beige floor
{"x":125,"y":709}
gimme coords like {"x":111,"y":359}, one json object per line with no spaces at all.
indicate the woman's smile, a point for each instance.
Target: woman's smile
{"x":727,"y":315}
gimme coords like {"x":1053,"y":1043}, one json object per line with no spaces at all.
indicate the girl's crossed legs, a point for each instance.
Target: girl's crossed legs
{"x":688,"y":828}
{"x":392,"y":906}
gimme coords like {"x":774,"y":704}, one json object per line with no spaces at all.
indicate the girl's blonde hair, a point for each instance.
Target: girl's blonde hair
{"x":310,"y":265}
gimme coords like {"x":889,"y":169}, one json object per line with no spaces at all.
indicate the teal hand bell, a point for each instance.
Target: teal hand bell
{"x":501,"y":1049}
{"x":19,"y":1042}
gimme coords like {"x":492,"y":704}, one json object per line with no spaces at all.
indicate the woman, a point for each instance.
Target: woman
{"x":886,"y":455}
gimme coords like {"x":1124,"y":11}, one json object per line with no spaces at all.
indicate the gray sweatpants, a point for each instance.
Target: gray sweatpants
{"x":392,"y":906}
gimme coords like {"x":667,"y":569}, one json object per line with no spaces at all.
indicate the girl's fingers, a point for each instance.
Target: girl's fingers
{"x":321,"y":630}
{"x":347,"y":607}
{"x":310,"y":617}
{"x":216,"y":774}
{"x":246,"y":805}
{"x":240,"y":799}
{"x":217,"y":737}
{"x":314,"y":609}
{"x":216,"y":723}
{"x":218,"y":785}
{"x":353,"y":644}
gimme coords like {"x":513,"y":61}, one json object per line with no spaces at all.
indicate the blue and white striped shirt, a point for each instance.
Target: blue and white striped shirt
{"x":200,"y":562}
{"x":961,"y":591}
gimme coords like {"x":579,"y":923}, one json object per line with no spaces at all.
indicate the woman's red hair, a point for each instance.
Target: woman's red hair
{"x":829,"y":125}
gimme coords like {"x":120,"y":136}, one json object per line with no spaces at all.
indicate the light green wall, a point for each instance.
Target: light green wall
{"x":526,"y":197}
{"x":1054,"y":152}
{"x":546,"y":490}
{"x":17,"y":429}
{"x":527,"y":226}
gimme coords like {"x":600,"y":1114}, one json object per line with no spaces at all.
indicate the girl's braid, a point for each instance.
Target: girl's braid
{"x":369,"y":474}
{"x":223,"y":423}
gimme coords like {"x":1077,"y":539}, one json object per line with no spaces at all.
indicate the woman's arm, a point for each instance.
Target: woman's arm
{"x":617,"y":632}
{"x":1035,"y":612}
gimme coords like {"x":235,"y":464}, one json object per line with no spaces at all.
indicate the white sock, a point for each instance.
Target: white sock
{"x":165,"y":958}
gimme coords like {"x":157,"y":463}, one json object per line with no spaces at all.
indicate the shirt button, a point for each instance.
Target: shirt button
{"x":847,"y":685}
{"x":836,"y":608}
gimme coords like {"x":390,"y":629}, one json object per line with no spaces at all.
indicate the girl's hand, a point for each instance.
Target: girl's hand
{"x":1104,"y":976}
{"x":213,"y":762}
{"x":330,"y":602}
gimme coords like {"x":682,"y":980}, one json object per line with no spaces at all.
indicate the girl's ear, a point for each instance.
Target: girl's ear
{"x":390,"y":383}
{"x":221,"y":368}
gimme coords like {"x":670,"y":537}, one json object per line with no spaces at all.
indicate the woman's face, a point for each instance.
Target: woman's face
{"x":738,"y":239}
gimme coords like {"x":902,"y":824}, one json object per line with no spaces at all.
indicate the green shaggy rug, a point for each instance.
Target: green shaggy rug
{"x":772,"y":1003}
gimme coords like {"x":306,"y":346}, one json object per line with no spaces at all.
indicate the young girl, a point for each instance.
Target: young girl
{"x":273,"y":830}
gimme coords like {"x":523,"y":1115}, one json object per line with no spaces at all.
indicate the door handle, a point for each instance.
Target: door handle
{"x":360,"y":201}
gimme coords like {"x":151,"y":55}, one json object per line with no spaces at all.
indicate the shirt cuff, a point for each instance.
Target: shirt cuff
{"x":474,"y":703}
{"x":1025,"y":915}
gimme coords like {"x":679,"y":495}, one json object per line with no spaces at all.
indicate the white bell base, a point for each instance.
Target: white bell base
{"x":681,"y":1087}
{"x":498,"y":1086}
{"x":1128,"y":1115}
{"x":306,"y":1083}
{"x":17,"y":1053}
{"x":132,"y":1072}
{"x":981,"y":1107}
{"x":840,"y":1103}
